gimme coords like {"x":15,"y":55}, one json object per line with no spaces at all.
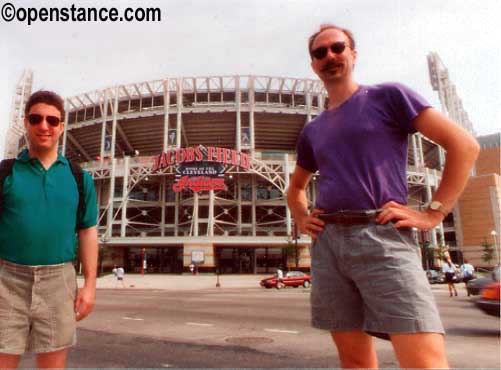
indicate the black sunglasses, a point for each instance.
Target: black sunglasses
{"x":321,"y":52}
{"x":35,"y":119}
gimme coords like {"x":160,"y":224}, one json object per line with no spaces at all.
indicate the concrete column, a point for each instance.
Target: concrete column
{"x":162,"y":204}
{"x":415,"y":150}
{"x":254,"y":196}
{"x":210,"y":223}
{"x":288,"y":222}
{"x":429,"y":196}
{"x":111,"y":197}
{"x":441,"y":158}
{"x":441,"y":225}
{"x":308,"y":102}
{"x":252,"y":104}
{"x":238,"y":98}
{"x":66,"y":115}
{"x":194,"y":216}
{"x":104,"y":115}
{"x":99,"y":186}
{"x":125,"y":191}
{"x":313,"y":185}
{"x":176,"y":216}
{"x":179,"y":104}
{"x":321,"y":102}
{"x":166,"y":114}
{"x":114,"y":124}
{"x":239,"y":204}
{"x":419,"y":139}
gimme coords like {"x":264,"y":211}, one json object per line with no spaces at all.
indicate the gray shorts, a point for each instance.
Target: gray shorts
{"x":369,"y":277}
{"x":36,"y":307}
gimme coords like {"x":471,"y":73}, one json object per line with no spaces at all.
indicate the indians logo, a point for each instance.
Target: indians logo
{"x":200,"y":168}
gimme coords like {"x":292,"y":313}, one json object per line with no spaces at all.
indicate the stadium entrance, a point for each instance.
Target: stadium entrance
{"x":239,"y":260}
{"x":158,"y":259}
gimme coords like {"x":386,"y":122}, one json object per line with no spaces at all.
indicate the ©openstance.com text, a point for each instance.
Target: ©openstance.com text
{"x":73,"y":13}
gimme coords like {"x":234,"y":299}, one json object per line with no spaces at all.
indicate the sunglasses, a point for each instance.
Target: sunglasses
{"x":35,"y":119}
{"x":321,"y":52}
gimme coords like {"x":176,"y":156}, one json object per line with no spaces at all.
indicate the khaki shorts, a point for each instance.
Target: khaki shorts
{"x":369,"y":277}
{"x":37,"y":307}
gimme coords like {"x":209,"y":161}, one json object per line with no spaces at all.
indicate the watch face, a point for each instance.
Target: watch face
{"x":435,"y":205}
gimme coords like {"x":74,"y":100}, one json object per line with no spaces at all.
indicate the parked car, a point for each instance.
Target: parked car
{"x":434,"y":277}
{"x":489,"y":299}
{"x":291,"y":278}
{"x":475,"y":286}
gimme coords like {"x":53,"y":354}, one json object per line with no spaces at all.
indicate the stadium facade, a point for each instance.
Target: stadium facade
{"x":195,"y":169}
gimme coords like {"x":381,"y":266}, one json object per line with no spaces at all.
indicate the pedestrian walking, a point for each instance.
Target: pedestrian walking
{"x":280,"y":278}
{"x":450,"y":275}
{"x":468,"y":273}
{"x":119,"y":273}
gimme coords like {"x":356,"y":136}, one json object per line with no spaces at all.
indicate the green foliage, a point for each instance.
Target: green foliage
{"x":441,"y":251}
{"x":290,"y":249}
{"x":104,"y":252}
{"x":488,"y":251}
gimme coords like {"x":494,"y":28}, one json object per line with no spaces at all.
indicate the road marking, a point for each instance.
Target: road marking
{"x":132,"y":318}
{"x":282,"y":331}
{"x":198,"y":324}
{"x":166,"y":365}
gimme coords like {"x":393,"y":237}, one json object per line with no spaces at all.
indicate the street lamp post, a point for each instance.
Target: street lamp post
{"x":423,"y":238}
{"x":218,"y":284}
{"x":494,"y":236}
{"x":142,"y":261}
{"x":296,"y":252}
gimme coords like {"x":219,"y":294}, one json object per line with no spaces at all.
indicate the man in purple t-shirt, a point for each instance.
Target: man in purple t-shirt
{"x":367,"y":274}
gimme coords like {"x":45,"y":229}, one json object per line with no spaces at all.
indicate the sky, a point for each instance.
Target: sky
{"x":259,"y":37}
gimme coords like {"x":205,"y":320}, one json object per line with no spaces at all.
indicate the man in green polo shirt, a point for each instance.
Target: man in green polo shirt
{"x":39,"y":225}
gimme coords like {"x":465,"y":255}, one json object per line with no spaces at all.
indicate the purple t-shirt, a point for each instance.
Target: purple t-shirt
{"x":360,"y":148}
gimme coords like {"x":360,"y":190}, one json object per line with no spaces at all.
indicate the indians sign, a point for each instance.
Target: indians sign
{"x":200,"y":168}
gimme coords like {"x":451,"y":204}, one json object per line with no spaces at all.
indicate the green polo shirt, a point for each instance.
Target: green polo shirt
{"x":39,"y":219}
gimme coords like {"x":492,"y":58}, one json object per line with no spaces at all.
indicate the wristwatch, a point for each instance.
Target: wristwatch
{"x":438,"y":206}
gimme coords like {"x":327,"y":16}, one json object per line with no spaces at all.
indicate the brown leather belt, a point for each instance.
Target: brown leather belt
{"x":350,"y":217}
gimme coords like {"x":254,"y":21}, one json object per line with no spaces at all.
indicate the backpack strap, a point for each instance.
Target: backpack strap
{"x":77,"y":172}
{"x":5,"y":170}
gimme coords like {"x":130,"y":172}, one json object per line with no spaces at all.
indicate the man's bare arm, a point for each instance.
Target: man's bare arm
{"x":462,"y":151}
{"x":88,"y":249}
{"x":307,"y":222}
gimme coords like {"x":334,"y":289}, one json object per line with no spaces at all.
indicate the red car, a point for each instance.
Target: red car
{"x":489,"y":299}
{"x":292,"y":278}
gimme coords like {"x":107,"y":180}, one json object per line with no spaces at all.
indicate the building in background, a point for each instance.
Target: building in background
{"x":480,"y":205}
{"x":194,"y":170}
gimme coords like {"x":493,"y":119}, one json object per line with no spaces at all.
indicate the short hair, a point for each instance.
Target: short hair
{"x":45,"y":97}
{"x":329,"y":26}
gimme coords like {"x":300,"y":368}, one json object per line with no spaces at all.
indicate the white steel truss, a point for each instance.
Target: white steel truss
{"x":15,"y":135}
{"x":450,"y":101}
{"x":111,"y":124}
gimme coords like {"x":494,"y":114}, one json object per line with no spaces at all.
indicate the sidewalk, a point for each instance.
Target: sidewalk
{"x":196,"y":282}
{"x":177,"y":282}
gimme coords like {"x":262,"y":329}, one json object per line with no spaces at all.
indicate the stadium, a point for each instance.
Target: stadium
{"x":195,"y":169}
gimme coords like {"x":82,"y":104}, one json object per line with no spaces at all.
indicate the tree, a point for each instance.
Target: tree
{"x":290,"y":250}
{"x":488,"y":251}
{"x":104,"y":253}
{"x":442,"y":251}
{"x":427,"y":254}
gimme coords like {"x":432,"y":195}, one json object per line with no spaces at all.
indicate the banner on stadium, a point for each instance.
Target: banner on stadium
{"x":200,"y":168}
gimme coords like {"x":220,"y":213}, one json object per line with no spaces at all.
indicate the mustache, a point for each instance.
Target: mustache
{"x":330,"y":65}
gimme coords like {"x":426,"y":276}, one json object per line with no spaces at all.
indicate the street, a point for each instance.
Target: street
{"x":247,"y":328}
